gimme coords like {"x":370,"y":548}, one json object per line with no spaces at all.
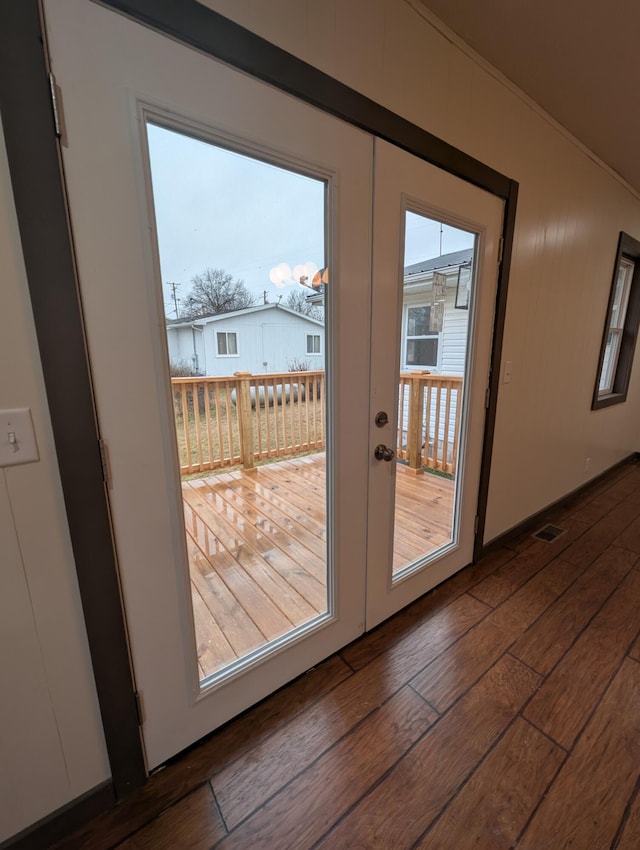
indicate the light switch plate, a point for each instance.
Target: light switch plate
{"x":17,"y":437}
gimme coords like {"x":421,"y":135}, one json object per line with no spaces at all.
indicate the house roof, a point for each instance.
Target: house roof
{"x":445,"y":261}
{"x":259,"y":308}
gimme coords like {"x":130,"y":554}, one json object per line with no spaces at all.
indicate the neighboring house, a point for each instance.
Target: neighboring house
{"x":438,"y":351}
{"x":431,"y":343}
{"x":426,"y":344}
{"x":266,"y":338}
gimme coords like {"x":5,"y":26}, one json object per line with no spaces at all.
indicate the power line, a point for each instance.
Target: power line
{"x":174,"y":297}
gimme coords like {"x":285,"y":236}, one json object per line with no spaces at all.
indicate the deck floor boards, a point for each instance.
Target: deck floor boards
{"x":257,"y":549}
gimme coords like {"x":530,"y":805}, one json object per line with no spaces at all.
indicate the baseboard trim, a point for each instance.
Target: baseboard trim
{"x":61,"y":823}
{"x":541,"y":516}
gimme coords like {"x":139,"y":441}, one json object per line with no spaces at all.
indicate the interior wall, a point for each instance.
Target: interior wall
{"x":570,"y":210}
{"x":51,"y":742}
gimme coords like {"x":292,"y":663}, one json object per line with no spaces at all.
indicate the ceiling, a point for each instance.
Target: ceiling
{"x":578,"y":59}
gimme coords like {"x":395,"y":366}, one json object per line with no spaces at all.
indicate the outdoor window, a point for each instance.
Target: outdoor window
{"x":621,"y":327}
{"x":421,"y":342}
{"x":227,"y":343}
{"x":313,"y":343}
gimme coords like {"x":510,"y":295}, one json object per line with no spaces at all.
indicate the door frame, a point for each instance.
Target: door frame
{"x":40,"y":199}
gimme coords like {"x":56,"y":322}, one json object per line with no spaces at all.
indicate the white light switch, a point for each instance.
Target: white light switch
{"x":506,"y":372}
{"x":17,"y":437}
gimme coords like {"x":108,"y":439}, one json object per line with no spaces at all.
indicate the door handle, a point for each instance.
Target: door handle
{"x":383,"y":452}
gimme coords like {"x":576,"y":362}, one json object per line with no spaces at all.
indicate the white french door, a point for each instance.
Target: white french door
{"x":432,"y":380}
{"x":134,"y":99}
{"x":121,"y":82}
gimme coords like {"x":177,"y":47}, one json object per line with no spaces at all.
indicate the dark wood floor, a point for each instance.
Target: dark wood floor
{"x":500,"y":710}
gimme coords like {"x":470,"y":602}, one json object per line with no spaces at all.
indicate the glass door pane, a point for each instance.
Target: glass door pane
{"x":241,"y":245}
{"x":436,"y":305}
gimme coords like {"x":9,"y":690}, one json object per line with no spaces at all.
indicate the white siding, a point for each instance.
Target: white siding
{"x":454,"y":336}
{"x":452,"y":351}
{"x":268,"y":341}
{"x":271,"y":340}
{"x":185,"y":347}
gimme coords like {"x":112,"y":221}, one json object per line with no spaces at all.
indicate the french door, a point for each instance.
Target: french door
{"x":265,"y":512}
{"x":435,"y":261}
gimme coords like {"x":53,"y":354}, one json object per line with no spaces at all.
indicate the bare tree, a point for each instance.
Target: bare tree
{"x":298,"y":301}
{"x":215,"y":291}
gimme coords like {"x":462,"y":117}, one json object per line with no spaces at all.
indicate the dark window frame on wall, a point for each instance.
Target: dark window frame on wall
{"x":626,"y":331}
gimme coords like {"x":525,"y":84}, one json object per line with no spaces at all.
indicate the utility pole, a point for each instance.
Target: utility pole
{"x":174,"y":297}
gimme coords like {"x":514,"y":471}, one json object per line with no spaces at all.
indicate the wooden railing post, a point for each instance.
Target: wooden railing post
{"x":414,"y":427}
{"x":245,"y":418}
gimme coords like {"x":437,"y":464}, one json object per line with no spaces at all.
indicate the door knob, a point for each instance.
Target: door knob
{"x":383,"y":452}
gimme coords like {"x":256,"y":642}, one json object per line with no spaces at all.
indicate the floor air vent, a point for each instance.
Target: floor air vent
{"x":549,"y":533}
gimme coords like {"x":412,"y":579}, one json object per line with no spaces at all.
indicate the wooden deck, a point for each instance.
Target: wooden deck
{"x":257,"y":543}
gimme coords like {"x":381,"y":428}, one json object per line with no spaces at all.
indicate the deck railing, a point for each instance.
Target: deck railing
{"x":245,"y":418}
{"x":428,"y":420}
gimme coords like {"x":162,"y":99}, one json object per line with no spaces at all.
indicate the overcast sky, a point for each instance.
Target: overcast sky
{"x":219,"y":209}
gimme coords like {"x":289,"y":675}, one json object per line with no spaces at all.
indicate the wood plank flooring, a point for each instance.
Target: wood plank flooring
{"x":501,"y":710}
{"x":257,"y":549}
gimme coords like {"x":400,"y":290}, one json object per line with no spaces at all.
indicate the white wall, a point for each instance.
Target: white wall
{"x":51,"y":744}
{"x":570,"y":211}
{"x":569,"y":215}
